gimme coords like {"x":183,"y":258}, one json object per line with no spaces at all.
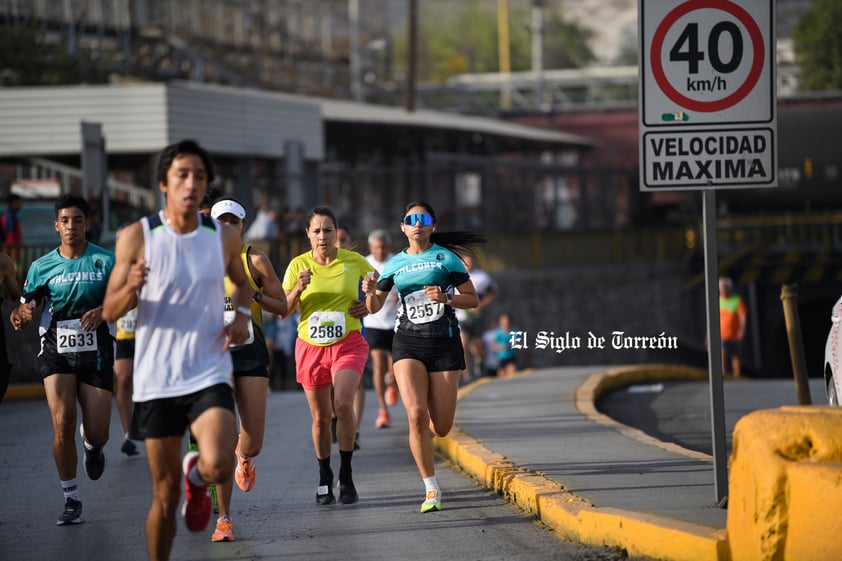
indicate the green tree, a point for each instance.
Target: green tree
{"x":463,"y":39}
{"x":818,"y":45}
{"x":26,"y":59}
{"x":565,"y":42}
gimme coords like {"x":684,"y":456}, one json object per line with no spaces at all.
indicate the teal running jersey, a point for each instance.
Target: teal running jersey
{"x":68,"y":287}
{"x":418,"y":316}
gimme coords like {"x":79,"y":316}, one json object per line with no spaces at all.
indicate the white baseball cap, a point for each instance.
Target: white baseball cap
{"x":228,"y":206}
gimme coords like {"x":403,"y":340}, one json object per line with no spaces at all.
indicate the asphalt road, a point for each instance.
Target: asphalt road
{"x":279,"y":518}
{"x":680,"y":411}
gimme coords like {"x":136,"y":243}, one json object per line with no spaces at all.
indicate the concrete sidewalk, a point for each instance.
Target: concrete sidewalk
{"x":539,"y":441}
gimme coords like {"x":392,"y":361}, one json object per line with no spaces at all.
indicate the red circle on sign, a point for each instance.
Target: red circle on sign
{"x":741,"y":92}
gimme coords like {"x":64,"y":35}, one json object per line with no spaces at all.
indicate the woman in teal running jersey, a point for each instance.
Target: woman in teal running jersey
{"x":427,"y":350}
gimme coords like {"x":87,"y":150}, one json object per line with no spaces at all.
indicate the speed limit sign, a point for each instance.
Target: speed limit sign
{"x":705,"y":64}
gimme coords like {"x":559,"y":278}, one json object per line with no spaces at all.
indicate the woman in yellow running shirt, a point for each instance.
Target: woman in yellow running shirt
{"x":330,"y":349}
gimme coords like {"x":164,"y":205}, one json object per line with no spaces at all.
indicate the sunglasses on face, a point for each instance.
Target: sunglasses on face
{"x":418,"y":218}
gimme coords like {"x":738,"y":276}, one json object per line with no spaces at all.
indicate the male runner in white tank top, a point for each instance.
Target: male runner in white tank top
{"x":172,"y":265}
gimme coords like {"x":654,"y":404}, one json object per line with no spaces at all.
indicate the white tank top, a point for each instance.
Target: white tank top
{"x":179,"y":319}
{"x":385,"y":317}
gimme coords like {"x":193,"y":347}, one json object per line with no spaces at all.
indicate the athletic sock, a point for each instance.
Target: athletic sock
{"x":70,"y":489}
{"x":431,"y":483}
{"x":345,"y":465}
{"x":325,"y":473}
{"x":194,"y":477}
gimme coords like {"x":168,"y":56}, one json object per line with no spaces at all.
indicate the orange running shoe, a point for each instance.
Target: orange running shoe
{"x":224,"y":530}
{"x":246,"y":473}
{"x":392,"y":395}
{"x":383,"y":420}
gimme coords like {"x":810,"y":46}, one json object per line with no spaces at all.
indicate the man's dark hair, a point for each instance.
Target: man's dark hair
{"x":211,"y":196}
{"x":12,"y":198}
{"x":182,"y":148}
{"x":70,"y":200}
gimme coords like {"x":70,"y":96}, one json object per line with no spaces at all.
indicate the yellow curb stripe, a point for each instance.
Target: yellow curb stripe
{"x":572,"y":517}
{"x":25,"y":391}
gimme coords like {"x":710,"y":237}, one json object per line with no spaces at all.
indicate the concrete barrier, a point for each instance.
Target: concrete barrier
{"x":785,"y":484}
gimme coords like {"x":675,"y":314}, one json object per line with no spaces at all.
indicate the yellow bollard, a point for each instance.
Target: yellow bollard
{"x":789,"y":297}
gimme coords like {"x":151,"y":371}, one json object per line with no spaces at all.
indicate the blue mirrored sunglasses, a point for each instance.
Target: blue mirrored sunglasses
{"x":423,"y":219}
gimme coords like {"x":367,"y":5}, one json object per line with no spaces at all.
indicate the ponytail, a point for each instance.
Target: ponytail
{"x":461,"y":242}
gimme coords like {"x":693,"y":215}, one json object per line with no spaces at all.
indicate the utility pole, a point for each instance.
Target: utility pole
{"x":538,"y":50}
{"x":412,"y":54}
{"x":354,"y":22}
{"x":503,"y":52}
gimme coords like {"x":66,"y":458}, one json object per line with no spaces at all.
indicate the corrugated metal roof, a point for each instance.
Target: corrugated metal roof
{"x":348,"y":111}
{"x":142,"y":118}
{"x":40,"y":121}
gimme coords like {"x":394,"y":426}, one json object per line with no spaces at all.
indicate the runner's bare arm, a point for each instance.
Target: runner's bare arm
{"x":236,"y":332}
{"x":294,"y":295}
{"x":128,"y":275}
{"x":374,"y":299}
{"x":274,"y":299}
{"x":11,"y":287}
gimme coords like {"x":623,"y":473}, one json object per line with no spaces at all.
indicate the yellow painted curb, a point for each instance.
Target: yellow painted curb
{"x":25,"y":391}
{"x":571,"y":516}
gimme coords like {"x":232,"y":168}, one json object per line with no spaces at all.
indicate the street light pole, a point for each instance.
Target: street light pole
{"x":538,"y":50}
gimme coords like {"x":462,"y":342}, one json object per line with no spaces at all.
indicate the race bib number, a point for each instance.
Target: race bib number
{"x":128,"y":322}
{"x":71,"y":338}
{"x":229,"y":319}
{"x":420,"y":309}
{"x":324,"y":328}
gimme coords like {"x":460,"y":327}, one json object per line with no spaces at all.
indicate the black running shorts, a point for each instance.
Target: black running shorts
{"x":439,"y":354}
{"x":259,"y":372}
{"x":158,"y":418}
{"x":125,"y":348}
{"x":379,"y":338}
{"x":95,"y":368}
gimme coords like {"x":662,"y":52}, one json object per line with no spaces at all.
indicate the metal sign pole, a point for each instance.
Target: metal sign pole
{"x":717,"y":401}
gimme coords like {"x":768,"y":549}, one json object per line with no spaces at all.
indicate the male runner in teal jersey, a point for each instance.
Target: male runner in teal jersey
{"x":77,"y":347}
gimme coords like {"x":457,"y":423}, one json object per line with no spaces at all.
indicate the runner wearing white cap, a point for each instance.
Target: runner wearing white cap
{"x":251,"y":361}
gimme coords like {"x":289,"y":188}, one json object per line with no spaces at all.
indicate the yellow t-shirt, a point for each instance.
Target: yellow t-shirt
{"x":256,"y":310}
{"x":332,"y":290}
{"x":126,"y":325}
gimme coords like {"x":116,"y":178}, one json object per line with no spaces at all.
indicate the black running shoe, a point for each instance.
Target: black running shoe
{"x":129,"y":448}
{"x":72,"y":513}
{"x":348,"y":493}
{"x":94,"y":460}
{"x":94,"y":463}
{"x":324,"y":495}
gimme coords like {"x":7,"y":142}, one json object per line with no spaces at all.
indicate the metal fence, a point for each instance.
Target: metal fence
{"x":497,"y":196}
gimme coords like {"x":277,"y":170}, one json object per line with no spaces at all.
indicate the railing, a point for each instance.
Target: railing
{"x":815,"y":231}
{"x":23,"y":256}
{"x":41,"y":168}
